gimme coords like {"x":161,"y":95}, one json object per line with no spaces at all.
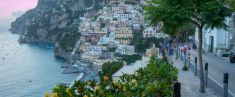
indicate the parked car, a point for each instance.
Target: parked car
{"x":232,"y":57}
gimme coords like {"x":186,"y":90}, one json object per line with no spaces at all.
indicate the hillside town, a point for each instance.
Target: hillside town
{"x":117,"y":48}
{"x":110,"y":32}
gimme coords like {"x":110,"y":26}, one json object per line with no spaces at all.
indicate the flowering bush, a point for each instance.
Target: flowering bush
{"x":155,"y":80}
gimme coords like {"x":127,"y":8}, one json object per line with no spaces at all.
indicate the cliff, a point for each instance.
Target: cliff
{"x":55,"y":22}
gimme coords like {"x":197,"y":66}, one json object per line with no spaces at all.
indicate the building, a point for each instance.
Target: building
{"x":149,"y":32}
{"x":104,"y":40}
{"x":125,"y":50}
{"x":153,"y":32}
{"x":136,"y":26}
{"x":122,"y":16}
{"x":124,"y":35}
{"x":216,"y":40}
{"x":108,"y":41}
{"x":97,"y":50}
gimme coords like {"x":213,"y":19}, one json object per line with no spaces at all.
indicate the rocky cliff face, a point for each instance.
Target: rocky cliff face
{"x":53,"y":21}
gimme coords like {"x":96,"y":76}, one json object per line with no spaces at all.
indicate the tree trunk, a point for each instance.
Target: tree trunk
{"x":164,"y":55}
{"x":162,"y":50}
{"x":177,"y":45}
{"x":202,"y":85}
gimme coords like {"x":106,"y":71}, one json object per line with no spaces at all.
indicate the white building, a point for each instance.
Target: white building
{"x":103,"y":40}
{"x":122,"y":17}
{"x":97,"y":50}
{"x":136,"y":26}
{"x":217,"y":40}
{"x":125,"y":50}
{"x":149,"y":32}
{"x":152,"y":32}
{"x":108,"y":41}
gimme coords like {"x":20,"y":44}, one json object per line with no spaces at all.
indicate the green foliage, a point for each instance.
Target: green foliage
{"x":184,"y":32}
{"x":69,"y":41}
{"x":207,"y":13}
{"x":130,"y":58}
{"x":185,"y":68}
{"x":155,"y":80}
{"x":112,"y":49}
{"x":141,"y":44}
{"x":69,"y":36}
{"x":32,"y":29}
{"x":231,"y":3}
{"x":109,"y":68}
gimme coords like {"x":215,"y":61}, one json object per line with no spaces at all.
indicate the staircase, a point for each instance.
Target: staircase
{"x":75,"y":49}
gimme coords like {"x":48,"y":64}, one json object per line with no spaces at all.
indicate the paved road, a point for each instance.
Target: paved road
{"x":217,"y":67}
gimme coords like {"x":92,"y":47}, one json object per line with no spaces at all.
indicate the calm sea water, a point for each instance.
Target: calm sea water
{"x":22,"y":63}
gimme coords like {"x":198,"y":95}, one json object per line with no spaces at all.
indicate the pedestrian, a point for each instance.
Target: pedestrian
{"x":184,"y":50}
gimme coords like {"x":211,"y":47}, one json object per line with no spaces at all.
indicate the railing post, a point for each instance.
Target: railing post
{"x":178,"y":52}
{"x":189,"y":61}
{"x":195,"y":68}
{"x":181,"y":55}
{"x":185,"y":58}
{"x":225,"y":92}
{"x":206,"y":74}
{"x":177,"y":92}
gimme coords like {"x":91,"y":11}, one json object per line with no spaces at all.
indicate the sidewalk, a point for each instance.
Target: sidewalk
{"x":190,"y":84}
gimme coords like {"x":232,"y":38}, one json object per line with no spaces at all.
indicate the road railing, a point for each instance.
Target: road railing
{"x":210,"y":82}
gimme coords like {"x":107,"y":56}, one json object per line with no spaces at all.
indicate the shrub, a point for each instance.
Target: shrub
{"x":185,"y":68}
{"x":109,"y":68}
{"x":130,"y":58}
{"x":155,"y":80}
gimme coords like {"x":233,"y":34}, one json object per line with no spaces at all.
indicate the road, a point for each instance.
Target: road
{"x":217,"y":67}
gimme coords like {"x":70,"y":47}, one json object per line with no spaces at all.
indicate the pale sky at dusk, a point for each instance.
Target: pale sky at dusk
{"x":7,"y":7}
{"x":10,"y":9}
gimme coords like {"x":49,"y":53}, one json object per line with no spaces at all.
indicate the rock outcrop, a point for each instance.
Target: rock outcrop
{"x":55,"y":22}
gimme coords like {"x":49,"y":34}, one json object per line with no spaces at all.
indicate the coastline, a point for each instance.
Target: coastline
{"x":79,"y":77}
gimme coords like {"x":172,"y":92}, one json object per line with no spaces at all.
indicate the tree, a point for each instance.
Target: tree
{"x":231,"y":3}
{"x":130,"y":58}
{"x":204,"y":14}
{"x":109,"y":68}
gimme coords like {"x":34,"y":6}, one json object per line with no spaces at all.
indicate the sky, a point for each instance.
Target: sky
{"x":10,"y":9}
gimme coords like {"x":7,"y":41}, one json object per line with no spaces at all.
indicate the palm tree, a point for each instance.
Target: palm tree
{"x":203,"y":14}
